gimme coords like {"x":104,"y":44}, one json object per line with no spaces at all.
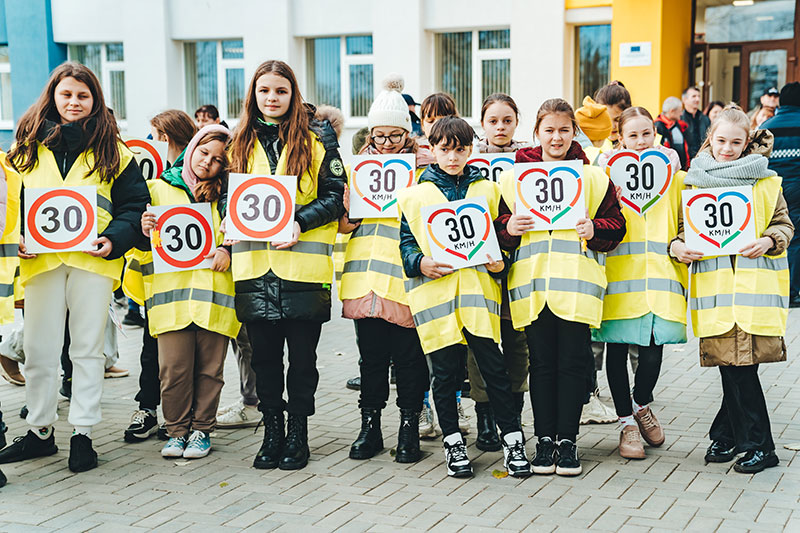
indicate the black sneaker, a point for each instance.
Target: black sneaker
{"x":82,"y":456}
{"x":515,"y":459}
{"x":568,"y":463}
{"x":28,"y":447}
{"x":23,"y":412}
{"x":3,"y":429}
{"x":143,"y":424}
{"x":162,"y":432}
{"x":755,"y":461}
{"x":544,"y":462}
{"x":354,"y":383}
{"x":720,"y":452}
{"x":455,"y":456}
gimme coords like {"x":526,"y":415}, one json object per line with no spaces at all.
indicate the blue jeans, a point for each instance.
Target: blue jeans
{"x":791,"y":192}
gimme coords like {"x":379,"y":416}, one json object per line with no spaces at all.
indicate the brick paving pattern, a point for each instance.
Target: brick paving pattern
{"x":135,"y":489}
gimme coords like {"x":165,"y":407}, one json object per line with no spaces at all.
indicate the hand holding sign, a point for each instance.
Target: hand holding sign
{"x":261,"y":208}
{"x":492,"y":165}
{"x":150,"y":155}
{"x":461,"y":234}
{"x":643,"y":178}
{"x":183,"y":237}
{"x":375,"y":182}
{"x":720,"y":220}
{"x":552,"y":192}
{"x":62,"y":219}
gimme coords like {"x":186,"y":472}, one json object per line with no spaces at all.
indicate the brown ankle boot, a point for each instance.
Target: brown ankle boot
{"x":630,"y":443}
{"x":650,"y":427}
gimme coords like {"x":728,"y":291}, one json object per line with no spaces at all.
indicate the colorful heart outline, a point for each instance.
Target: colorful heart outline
{"x":455,"y":212}
{"x":561,"y":213}
{"x":354,"y":181}
{"x":646,"y":153}
{"x":717,"y":199}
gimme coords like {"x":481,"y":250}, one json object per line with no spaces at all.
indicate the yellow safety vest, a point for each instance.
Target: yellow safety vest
{"x":754,"y":293}
{"x":593,"y":153}
{"x":132,"y":280}
{"x":552,"y":267}
{"x":175,"y":300}
{"x":642,"y":278}
{"x":310,"y":259}
{"x":9,"y":242}
{"x":469,"y":297}
{"x":46,"y":174}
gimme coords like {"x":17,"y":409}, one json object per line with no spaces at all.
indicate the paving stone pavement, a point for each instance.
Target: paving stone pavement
{"x":134,"y":489}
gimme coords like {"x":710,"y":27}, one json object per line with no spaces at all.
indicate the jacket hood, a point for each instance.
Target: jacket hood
{"x":173,"y":175}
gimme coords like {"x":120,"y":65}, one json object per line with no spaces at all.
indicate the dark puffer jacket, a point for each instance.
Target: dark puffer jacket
{"x":270,"y":297}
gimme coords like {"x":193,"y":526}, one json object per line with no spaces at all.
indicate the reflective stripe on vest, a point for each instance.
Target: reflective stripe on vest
{"x":460,"y":301}
{"x":190,"y":294}
{"x":750,"y":293}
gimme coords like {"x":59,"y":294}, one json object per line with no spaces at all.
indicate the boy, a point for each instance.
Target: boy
{"x":454,"y":307}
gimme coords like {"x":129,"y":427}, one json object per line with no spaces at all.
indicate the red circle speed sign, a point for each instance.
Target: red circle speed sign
{"x":76,"y":232}
{"x":273,"y":218}
{"x":190,"y":242}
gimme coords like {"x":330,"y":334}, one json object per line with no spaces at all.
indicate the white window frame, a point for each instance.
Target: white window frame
{"x":6,"y":123}
{"x":222,"y":88}
{"x":106,"y":67}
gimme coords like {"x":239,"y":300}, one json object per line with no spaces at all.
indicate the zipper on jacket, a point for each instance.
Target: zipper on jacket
{"x":64,"y":166}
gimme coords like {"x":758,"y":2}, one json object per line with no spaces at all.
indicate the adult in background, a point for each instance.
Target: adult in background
{"x":694,"y":118}
{"x":673,"y":130}
{"x":416,"y":123}
{"x":785,"y":160}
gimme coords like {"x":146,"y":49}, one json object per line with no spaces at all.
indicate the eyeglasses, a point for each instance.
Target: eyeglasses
{"x":393,"y":139}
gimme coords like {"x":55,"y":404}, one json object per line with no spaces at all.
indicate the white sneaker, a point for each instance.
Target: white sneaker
{"x":515,"y":458}
{"x":596,"y":412}
{"x":463,"y":420}
{"x":239,"y":416}
{"x":427,"y":427}
{"x":236,"y":405}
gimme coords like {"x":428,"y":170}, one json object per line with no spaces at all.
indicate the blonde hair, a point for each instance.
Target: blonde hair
{"x":733,"y":115}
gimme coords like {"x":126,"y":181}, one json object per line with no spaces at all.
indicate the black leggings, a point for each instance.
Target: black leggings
{"x":644,"y":380}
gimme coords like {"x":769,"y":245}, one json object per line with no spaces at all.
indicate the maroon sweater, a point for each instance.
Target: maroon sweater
{"x":609,"y":224}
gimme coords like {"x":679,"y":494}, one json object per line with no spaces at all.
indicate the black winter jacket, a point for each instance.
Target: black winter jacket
{"x":270,"y":297}
{"x":129,"y":193}
{"x":454,"y":188}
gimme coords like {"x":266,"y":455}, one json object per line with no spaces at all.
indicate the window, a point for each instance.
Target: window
{"x":759,"y":20}
{"x":6,"y":111}
{"x":107,"y":61}
{"x":471,"y":65}
{"x":340,"y":73}
{"x":214,"y":74}
{"x":594,"y":51}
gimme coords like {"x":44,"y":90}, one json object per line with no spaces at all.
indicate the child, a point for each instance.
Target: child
{"x":499,"y":119}
{"x":444,"y":306}
{"x":595,"y":122}
{"x":617,"y":99}
{"x":746,"y":329}
{"x":645,"y":303}
{"x":283,"y":289}
{"x":175,"y":128}
{"x":373,"y":296}
{"x":192,"y":331}
{"x":69,"y":138}
{"x":556,"y":287}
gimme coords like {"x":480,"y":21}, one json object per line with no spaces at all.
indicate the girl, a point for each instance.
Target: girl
{"x":499,"y":119}
{"x":69,"y":138}
{"x":617,"y":99}
{"x":645,"y":303}
{"x":456,"y":307}
{"x":373,"y":296}
{"x":745,"y":329}
{"x":283,"y":289}
{"x":175,"y":128}
{"x":556,"y":287}
{"x":192,"y":331}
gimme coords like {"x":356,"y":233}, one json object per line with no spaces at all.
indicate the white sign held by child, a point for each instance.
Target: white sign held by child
{"x":552,"y":192}
{"x":182,"y":238}
{"x":644,"y":177}
{"x":492,"y":165}
{"x":261,"y":208}
{"x":461,"y":233}
{"x":61,"y":219}
{"x":719,"y":220}
{"x":375,"y":181}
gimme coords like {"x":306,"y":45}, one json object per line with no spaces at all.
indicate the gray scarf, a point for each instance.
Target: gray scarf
{"x":706,"y":172}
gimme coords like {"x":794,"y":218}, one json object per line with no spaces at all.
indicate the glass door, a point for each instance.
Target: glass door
{"x":764,"y":67}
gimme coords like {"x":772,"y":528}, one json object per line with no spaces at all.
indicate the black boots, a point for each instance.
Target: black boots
{"x":488,"y":440}
{"x":408,"y":437}
{"x":271,"y":449}
{"x":295,"y":451}
{"x":370,"y":440}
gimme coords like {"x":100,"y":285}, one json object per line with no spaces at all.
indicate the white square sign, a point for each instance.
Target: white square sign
{"x":719,"y":220}
{"x":461,"y":233}
{"x":61,"y":219}
{"x":260,"y":208}
{"x":553,"y":192}
{"x":375,"y":181}
{"x":183,"y":238}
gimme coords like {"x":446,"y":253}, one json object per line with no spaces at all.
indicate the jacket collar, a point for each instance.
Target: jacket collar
{"x":442,"y":179}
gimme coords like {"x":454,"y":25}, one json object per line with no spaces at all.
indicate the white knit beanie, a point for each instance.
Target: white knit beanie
{"x":389,"y":107}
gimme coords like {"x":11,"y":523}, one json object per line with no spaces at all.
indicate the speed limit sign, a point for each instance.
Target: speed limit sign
{"x":183,"y":237}
{"x":261,"y":208}
{"x":150,"y":155}
{"x":63,"y":219}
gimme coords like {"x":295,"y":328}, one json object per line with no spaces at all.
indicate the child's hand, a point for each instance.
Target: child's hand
{"x":346,"y":198}
{"x":757,"y":248}
{"x":105,"y":247}
{"x":148,"y":222}
{"x":22,"y":253}
{"x":520,"y":223}
{"x":289,"y":244}
{"x":221,"y":260}
{"x":684,"y":254}
{"x":585,"y":228}
{"x":618,"y":191}
{"x":433,"y":269}
{"x":494,"y":266}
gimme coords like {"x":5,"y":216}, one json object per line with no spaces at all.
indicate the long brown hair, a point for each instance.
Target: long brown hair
{"x":555,"y":105}
{"x":630,"y":113}
{"x":293,"y":130}
{"x":102,"y":138}
{"x":211,"y":190}
{"x":177,"y":126}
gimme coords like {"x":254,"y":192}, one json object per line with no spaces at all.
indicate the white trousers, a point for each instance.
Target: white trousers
{"x":48,"y":296}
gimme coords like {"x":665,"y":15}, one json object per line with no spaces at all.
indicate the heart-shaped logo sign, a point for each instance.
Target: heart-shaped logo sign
{"x":554,"y":194}
{"x":492,"y":165}
{"x":376,"y":182}
{"x":715,"y":217}
{"x":458,"y":233}
{"x":644,"y":177}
